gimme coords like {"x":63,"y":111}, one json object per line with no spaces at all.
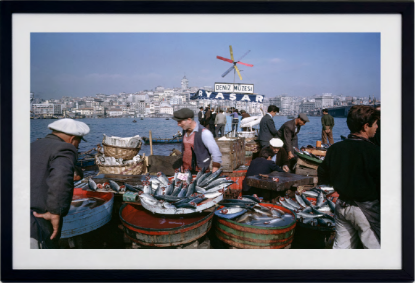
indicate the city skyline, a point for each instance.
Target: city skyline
{"x":296,"y":64}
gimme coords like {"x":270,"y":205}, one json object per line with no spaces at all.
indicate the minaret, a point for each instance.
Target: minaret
{"x":185,"y":83}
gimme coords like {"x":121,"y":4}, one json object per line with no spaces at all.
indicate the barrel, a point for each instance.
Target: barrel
{"x":235,"y":190}
{"x":88,"y":219}
{"x":154,"y":230}
{"x":253,"y":237}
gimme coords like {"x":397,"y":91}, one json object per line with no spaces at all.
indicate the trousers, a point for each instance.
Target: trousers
{"x":221,"y":128}
{"x":325,"y":136}
{"x":352,"y":228}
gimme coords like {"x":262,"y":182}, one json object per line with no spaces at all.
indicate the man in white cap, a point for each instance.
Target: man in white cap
{"x":281,"y":157}
{"x":52,"y":164}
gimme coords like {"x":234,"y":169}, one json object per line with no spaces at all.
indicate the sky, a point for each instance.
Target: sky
{"x":294,"y":64}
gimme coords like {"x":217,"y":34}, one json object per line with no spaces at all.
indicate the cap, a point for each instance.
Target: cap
{"x":276,"y":142}
{"x":70,"y":127}
{"x":304,"y":117}
{"x":183,"y":114}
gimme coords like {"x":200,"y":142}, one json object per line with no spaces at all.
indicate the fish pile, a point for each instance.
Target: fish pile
{"x":319,"y":214}
{"x":304,"y":152}
{"x":247,"y":210}
{"x":183,"y":191}
{"x":101,"y":159}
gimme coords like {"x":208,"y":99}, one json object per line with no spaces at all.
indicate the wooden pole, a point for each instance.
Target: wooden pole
{"x":151,"y":143}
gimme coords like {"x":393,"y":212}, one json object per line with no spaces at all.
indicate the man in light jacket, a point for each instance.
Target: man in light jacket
{"x":220,"y":122}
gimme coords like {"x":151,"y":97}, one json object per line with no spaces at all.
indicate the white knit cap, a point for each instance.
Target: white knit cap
{"x":276,"y":142}
{"x":70,"y":127}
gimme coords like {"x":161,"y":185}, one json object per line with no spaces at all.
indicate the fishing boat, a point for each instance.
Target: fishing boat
{"x":134,"y":121}
{"x":290,"y":117}
{"x":167,"y":118}
{"x":160,"y":140}
{"x":85,"y":162}
{"x":141,"y":118}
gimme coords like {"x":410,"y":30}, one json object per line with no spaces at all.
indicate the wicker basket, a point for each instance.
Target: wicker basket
{"x":134,"y":168}
{"x":126,"y":153}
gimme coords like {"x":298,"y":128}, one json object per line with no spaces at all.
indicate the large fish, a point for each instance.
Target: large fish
{"x":320,"y":199}
{"x":300,"y":199}
{"x":169,"y":188}
{"x":230,"y":210}
{"x":203,"y":177}
{"x":213,"y":195}
{"x":189,"y":176}
{"x":286,"y":204}
{"x":176,"y":173}
{"x":306,"y":201}
{"x":147,"y":189}
{"x":92,"y":185}
{"x":128,"y":187}
{"x":325,"y":222}
{"x":312,"y":194}
{"x":254,"y":197}
{"x":210,"y":178}
{"x":191,"y":189}
{"x":183,"y":191}
{"x":293,"y":203}
{"x":200,"y":190}
{"x":114,"y":186}
{"x":219,"y":181}
{"x":167,"y":198}
{"x":332,"y":205}
{"x":162,"y":178}
{"x":147,"y":197}
{"x":177,"y":189}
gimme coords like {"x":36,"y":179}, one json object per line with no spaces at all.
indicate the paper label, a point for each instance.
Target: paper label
{"x":182,"y":176}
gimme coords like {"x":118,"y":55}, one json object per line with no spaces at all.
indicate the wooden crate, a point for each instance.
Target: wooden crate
{"x":233,"y":153}
{"x":306,"y":163}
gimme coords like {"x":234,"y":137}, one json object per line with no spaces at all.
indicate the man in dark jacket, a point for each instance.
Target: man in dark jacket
{"x":212,"y":127}
{"x":327,"y":121}
{"x":261,"y":165}
{"x":352,"y":167}
{"x":52,"y":163}
{"x":289,"y":131}
{"x":201,"y":116}
{"x":267,"y":128}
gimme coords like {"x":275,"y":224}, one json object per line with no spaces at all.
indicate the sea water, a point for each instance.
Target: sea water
{"x":161,"y":128}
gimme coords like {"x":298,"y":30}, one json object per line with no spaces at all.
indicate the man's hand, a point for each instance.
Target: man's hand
{"x":214,"y":169}
{"x":53,"y":218}
{"x":290,"y":155}
{"x":327,"y":131}
{"x":285,"y":168}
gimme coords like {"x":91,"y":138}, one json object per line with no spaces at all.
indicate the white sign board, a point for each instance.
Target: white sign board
{"x":236,"y":88}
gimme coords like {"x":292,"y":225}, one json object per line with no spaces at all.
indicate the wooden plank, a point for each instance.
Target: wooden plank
{"x":133,"y":180}
{"x":306,"y":163}
{"x":300,"y":170}
{"x":286,"y":180}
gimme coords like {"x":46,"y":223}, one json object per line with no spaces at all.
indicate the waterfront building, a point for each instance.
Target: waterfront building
{"x":114,"y":112}
{"x":192,"y":107}
{"x":85,"y":111}
{"x":307,"y":106}
{"x":47,"y":110}
{"x":325,"y":101}
{"x":165,"y":109}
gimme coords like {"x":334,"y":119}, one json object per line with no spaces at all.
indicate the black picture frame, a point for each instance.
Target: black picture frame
{"x":406,"y":9}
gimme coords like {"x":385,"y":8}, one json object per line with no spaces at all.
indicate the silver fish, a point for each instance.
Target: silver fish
{"x":273,"y":221}
{"x":210,"y":178}
{"x":183,"y":192}
{"x":168,"y":205}
{"x":306,"y":201}
{"x":276,"y":213}
{"x":213,"y":195}
{"x":300,"y":199}
{"x":320,"y":199}
{"x":293,"y":203}
{"x":92,"y":185}
{"x":200,"y":190}
{"x":332,"y":205}
{"x":308,"y":215}
{"x":204,"y":176}
{"x":286,"y":205}
{"x":231,"y":210}
{"x":147,"y":197}
{"x":325,"y":222}
{"x":147,"y":188}
{"x":162,"y":178}
{"x":310,"y":194}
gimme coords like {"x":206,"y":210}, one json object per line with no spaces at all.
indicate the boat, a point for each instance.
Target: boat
{"x":134,"y":121}
{"x":167,"y":118}
{"x":290,"y":117}
{"x":84,"y":219}
{"x":159,"y":140}
{"x":141,"y":118}
{"x":85,"y":162}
